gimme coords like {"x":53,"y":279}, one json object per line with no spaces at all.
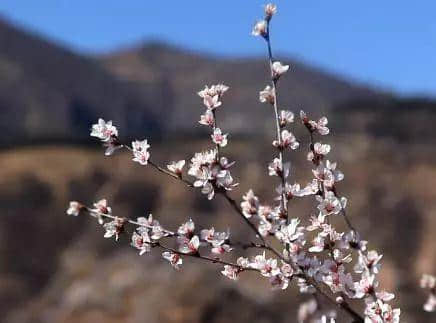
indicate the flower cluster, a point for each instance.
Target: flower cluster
{"x":312,"y":252}
{"x":210,"y":170}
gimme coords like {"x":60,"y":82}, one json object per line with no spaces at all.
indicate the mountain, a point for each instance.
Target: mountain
{"x":49,"y":93}
{"x":182,"y":73}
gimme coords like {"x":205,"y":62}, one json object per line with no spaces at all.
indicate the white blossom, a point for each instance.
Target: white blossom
{"x":230,"y":272}
{"x":141,"y":241}
{"x":270,"y":10}
{"x":330,"y":204}
{"x":74,"y":208}
{"x":187,"y":228}
{"x":140,"y":151}
{"x":114,"y":228}
{"x":250,"y":204}
{"x":260,"y":28}
{"x":267,"y":95}
{"x":285,"y":117}
{"x":104,"y":130}
{"x":176,"y":167}
{"x":268,"y":267}
{"x":288,"y":140}
{"x":278,"y":69}
{"x":189,"y":246}
{"x":174,"y":259}
{"x":218,"y":138}
{"x":207,"y":118}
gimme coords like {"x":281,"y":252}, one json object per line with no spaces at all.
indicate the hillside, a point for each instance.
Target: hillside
{"x":49,"y":93}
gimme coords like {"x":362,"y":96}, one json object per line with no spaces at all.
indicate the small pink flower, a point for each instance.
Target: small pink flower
{"x":104,"y":130}
{"x":140,"y":151}
{"x":174,"y":259}
{"x":270,"y":10}
{"x":231,"y":272}
{"x":260,"y":28}
{"x":218,"y":138}
{"x":267,"y":95}
{"x":74,"y":208}
{"x":189,"y":246}
{"x":278,"y":69}
{"x":207,"y":118}
{"x":176,"y":167}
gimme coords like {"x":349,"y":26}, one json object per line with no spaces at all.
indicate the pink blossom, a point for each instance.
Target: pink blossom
{"x":250,"y":204}
{"x":176,"y":167}
{"x":285,"y":118}
{"x":270,"y":10}
{"x":279,"y":69}
{"x":207,"y":118}
{"x":218,"y":138}
{"x":174,"y":259}
{"x":230,"y":272}
{"x":141,"y":242}
{"x":267,"y":95}
{"x":140,"y":151}
{"x":260,"y":28}
{"x":114,"y":228}
{"x":104,"y":130}
{"x":189,"y":246}
{"x":74,"y":208}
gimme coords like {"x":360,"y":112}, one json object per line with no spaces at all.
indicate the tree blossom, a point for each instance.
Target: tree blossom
{"x":270,"y":10}
{"x":285,"y":117}
{"x":174,"y":259}
{"x":275,"y":168}
{"x":211,"y":173}
{"x":101,"y":208}
{"x":218,"y":138}
{"x":268,"y":267}
{"x":250,"y":204}
{"x":189,"y":246}
{"x":291,"y":232}
{"x":207,"y":118}
{"x":328,"y":174}
{"x":330,"y":204}
{"x":267,"y":95}
{"x":211,"y":102}
{"x":187,"y":229}
{"x":288,"y":140}
{"x":380,"y":312}
{"x":104,"y":130}
{"x":74,"y":208}
{"x":140,"y":151}
{"x":141,"y":242}
{"x":279,"y":282}
{"x":279,"y":69}
{"x":176,"y":167}
{"x":370,"y":261}
{"x":320,"y":126}
{"x":211,"y":98}
{"x":365,"y":286}
{"x":260,"y":28}
{"x":214,"y":90}
{"x":114,"y":228}
{"x":231,"y":272}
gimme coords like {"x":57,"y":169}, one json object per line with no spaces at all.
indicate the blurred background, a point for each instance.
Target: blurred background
{"x":369,"y":67}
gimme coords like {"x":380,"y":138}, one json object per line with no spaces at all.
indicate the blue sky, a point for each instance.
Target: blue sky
{"x":382,"y":42}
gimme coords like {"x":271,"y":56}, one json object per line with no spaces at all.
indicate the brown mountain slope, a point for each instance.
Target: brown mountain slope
{"x":182,"y":73}
{"x":50,"y":93}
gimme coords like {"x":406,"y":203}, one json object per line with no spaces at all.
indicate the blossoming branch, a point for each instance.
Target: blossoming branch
{"x":335,"y":267}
